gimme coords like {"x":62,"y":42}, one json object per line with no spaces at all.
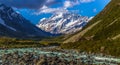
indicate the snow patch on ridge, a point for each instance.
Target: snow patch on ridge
{"x":3,"y":23}
{"x":63,"y":23}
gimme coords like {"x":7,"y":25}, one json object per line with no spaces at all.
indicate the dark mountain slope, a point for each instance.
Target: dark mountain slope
{"x":13,"y":24}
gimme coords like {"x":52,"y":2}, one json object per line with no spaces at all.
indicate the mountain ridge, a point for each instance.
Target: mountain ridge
{"x":15,"y":25}
{"x":63,"y":23}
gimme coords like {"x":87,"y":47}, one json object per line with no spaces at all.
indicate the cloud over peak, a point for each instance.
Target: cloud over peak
{"x":44,"y":6}
{"x":32,"y":4}
{"x":36,"y":4}
{"x":69,"y":3}
{"x":86,"y":1}
{"x":64,"y":8}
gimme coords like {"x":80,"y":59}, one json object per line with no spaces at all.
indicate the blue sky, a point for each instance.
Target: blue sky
{"x":34,"y":10}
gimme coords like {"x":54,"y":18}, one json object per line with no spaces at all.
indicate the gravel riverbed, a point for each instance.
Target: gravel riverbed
{"x":49,"y":56}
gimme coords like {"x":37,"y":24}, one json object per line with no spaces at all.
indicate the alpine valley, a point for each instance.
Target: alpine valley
{"x":62,"y":39}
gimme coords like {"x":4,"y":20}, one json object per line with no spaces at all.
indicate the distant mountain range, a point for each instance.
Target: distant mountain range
{"x":13,"y":24}
{"x":63,"y":23}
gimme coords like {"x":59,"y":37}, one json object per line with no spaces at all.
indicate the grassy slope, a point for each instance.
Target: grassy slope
{"x":104,"y":34}
{"x":109,"y":25}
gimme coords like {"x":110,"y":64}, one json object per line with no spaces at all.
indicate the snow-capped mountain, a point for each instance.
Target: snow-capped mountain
{"x":14,"y":25}
{"x":63,"y":23}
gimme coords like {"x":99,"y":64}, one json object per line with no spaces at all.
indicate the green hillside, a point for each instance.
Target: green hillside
{"x":102,"y":31}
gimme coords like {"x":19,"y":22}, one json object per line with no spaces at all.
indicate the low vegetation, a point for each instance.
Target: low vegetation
{"x":98,"y":46}
{"x":6,"y":42}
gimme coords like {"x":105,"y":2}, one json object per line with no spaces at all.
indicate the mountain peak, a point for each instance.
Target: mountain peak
{"x":2,"y":6}
{"x":63,"y":23}
{"x":12,"y":24}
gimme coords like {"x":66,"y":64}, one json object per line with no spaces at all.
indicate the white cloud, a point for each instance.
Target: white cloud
{"x":30,"y":4}
{"x":50,"y":1}
{"x":94,"y":10}
{"x":68,"y":3}
{"x":71,"y":3}
{"x":46,"y":9}
{"x":86,"y":1}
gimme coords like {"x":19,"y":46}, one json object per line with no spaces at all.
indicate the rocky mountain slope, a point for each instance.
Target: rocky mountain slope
{"x":13,"y":24}
{"x":63,"y":23}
